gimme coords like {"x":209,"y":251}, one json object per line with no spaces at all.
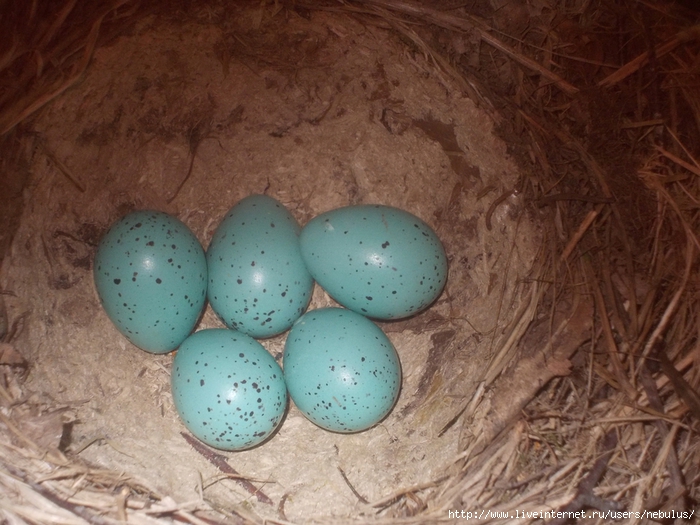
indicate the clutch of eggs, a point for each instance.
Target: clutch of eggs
{"x":340,"y":369}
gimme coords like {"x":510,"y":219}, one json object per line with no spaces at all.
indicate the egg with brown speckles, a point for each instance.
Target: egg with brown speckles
{"x":150,"y":273}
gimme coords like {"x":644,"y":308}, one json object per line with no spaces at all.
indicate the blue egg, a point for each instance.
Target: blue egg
{"x":341,"y":370}
{"x":228,"y":390}
{"x":379,"y":261}
{"x":258,"y":283}
{"x":150,"y":272}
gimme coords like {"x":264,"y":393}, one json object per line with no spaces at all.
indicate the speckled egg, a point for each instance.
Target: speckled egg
{"x":258,"y":283}
{"x":341,"y":371}
{"x":151,"y":276}
{"x":379,"y":261}
{"x":228,"y":390}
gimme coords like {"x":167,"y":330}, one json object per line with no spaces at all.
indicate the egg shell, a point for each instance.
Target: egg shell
{"x":341,"y":370}
{"x":258,"y":283}
{"x":150,"y":273}
{"x":379,"y":261}
{"x":228,"y":390}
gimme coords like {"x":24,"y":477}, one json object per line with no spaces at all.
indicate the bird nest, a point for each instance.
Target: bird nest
{"x":549,"y":145}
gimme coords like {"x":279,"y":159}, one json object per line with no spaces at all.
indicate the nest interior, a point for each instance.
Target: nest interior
{"x":563,"y":281}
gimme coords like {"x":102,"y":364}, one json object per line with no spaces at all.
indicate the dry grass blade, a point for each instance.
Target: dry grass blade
{"x":470,"y":22}
{"x":580,"y":232}
{"x":9,"y":56}
{"x":619,"y":374}
{"x":635,"y":65}
{"x":655,"y":402}
{"x":684,"y":390}
{"x":45,"y":486}
{"x":692,"y":243}
{"x":394,"y":496}
{"x":63,"y":168}
{"x":693,"y":168}
{"x":652,"y":478}
{"x":57,"y":23}
{"x":31,"y":102}
{"x":526,"y":377}
{"x":585,"y":498}
{"x":441,"y":62}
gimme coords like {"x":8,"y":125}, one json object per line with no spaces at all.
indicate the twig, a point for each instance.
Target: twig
{"x":354,"y":491}
{"x":219,"y":461}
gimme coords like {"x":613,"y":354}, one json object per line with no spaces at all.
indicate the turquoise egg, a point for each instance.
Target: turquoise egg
{"x":379,"y":261}
{"x":341,"y":370}
{"x":228,"y":390}
{"x":150,"y":273}
{"x":258,"y":283}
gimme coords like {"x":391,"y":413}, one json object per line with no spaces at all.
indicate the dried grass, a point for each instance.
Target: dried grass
{"x":608,"y":341}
